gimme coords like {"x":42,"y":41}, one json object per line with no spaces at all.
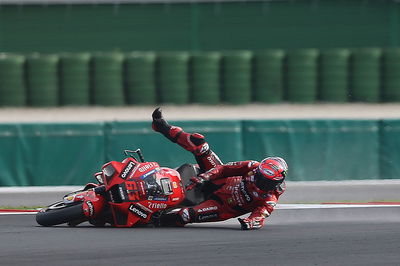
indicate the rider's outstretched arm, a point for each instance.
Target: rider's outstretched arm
{"x":257,"y":217}
{"x":229,"y":169}
{"x":223,"y":171}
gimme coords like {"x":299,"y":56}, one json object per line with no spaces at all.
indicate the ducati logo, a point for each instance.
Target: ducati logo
{"x":127,"y":170}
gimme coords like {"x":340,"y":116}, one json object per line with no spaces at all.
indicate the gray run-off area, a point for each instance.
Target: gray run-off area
{"x":202,"y":112}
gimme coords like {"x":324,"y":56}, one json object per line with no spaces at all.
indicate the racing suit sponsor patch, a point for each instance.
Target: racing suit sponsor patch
{"x":207,"y":217}
{"x":211,"y":160}
{"x":245,"y":193}
{"x":206,"y":209}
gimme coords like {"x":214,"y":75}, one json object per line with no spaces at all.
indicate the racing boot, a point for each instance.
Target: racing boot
{"x":176,"y":217}
{"x":167,"y":218}
{"x":195,"y":143}
{"x":160,"y":124}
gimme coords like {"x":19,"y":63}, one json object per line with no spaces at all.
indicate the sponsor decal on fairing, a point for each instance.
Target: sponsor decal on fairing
{"x":143,"y":207}
{"x":127,"y":170}
{"x":69,"y":199}
{"x":160,"y":198}
{"x":154,"y":205}
{"x":122,"y":193}
{"x":136,"y":210}
{"x":141,"y":187}
{"x":147,"y":166}
{"x":90,"y":208}
{"x":148,"y":173}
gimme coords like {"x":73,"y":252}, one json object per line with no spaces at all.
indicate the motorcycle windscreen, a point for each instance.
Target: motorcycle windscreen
{"x":158,"y":185}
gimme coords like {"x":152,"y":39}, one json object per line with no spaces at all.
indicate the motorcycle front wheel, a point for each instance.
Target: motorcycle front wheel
{"x":59,"y":213}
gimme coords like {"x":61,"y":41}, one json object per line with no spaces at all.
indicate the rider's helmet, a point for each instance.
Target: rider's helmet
{"x":270,"y":173}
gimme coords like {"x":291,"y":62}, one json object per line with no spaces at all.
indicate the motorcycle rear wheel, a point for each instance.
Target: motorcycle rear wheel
{"x":59,"y":213}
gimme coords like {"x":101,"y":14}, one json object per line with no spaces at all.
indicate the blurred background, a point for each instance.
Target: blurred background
{"x":87,"y":54}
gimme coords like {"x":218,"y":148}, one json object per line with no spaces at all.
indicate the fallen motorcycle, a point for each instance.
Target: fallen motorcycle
{"x":128,"y":193}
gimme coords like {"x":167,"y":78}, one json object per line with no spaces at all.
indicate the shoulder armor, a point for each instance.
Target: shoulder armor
{"x":252,"y":164}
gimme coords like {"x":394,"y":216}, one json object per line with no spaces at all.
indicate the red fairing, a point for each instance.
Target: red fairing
{"x":138,"y":190}
{"x":93,"y":204}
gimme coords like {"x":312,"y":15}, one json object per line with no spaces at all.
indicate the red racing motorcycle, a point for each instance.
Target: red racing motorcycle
{"x":128,"y":193}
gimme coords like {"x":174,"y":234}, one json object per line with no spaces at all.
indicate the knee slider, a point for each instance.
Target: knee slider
{"x":201,"y":146}
{"x":197,"y":139}
{"x":175,"y":132}
{"x":187,"y":215}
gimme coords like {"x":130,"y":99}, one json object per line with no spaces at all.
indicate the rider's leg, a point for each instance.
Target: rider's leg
{"x":195,"y":143}
{"x":207,"y":211}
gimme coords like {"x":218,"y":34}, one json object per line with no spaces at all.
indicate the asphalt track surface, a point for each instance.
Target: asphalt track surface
{"x":339,"y":236}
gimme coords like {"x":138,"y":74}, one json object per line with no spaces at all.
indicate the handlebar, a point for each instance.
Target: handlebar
{"x":131,"y":154}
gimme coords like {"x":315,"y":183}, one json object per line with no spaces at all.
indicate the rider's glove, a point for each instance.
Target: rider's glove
{"x":248,"y":224}
{"x":197,"y":180}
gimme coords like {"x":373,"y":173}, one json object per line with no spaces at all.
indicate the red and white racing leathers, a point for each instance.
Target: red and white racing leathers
{"x":236,"y":192}
{"x":237,"y":195}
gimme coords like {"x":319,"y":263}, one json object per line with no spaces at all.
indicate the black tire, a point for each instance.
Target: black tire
{"x":59,"y":213}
